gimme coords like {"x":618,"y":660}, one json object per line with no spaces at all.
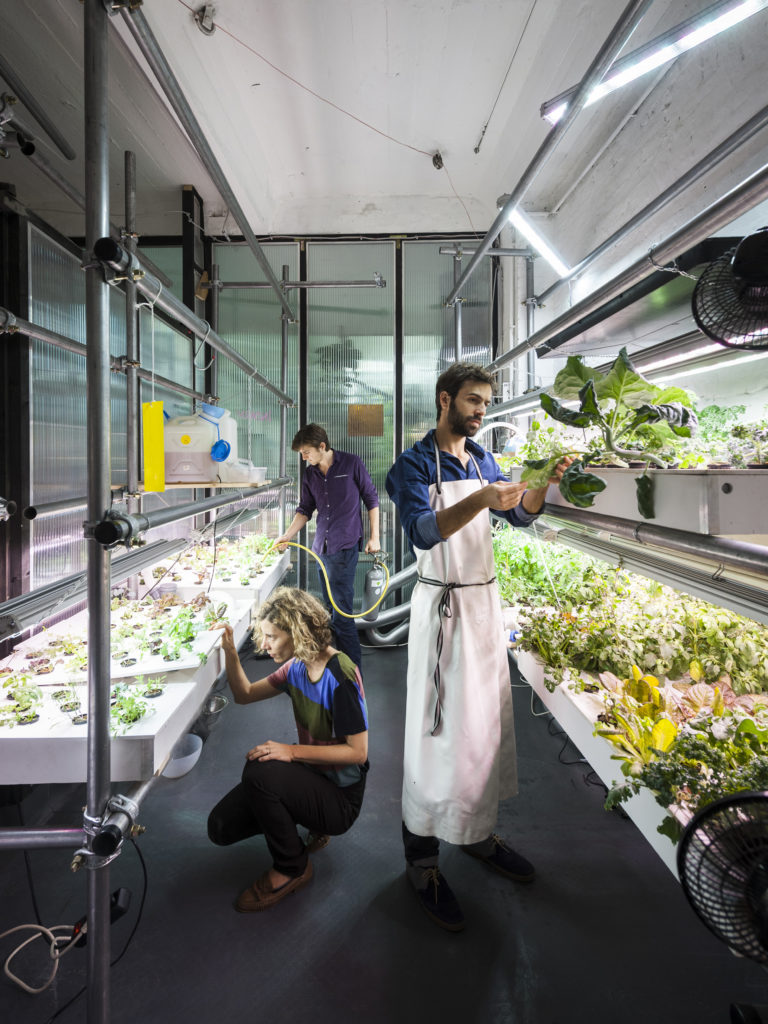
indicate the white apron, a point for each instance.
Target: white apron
{"x":456,"y":771}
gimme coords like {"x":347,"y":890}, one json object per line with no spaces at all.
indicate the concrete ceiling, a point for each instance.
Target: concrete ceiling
{"x":325,"y":116}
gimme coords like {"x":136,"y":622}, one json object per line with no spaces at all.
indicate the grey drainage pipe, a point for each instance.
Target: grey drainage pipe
{"x":740,"y":555}
{"x":378,"y":639}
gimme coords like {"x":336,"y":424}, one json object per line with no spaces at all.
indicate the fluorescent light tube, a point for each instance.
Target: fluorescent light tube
{"x":714,"y":366}
{"x":660,"y":51}
{"x":542,"y":248}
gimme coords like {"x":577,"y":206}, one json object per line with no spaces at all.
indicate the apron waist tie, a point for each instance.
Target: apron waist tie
{"x":444,"y":612}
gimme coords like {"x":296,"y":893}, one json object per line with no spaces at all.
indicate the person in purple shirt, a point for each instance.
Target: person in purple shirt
{"x":334,"y":484}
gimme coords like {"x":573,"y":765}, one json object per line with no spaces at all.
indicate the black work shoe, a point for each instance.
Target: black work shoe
{"x":503,"y":859}
{"x":437,"y":901}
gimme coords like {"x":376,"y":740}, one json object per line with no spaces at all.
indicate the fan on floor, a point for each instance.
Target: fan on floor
{"x":722,"y":861}
{"x":730,"y":300}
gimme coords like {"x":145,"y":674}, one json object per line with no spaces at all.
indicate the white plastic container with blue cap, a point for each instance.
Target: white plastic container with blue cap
{"x":202,"y":448}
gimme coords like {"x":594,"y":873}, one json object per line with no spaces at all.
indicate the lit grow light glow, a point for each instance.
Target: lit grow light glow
{"x":715,"y":366}
{"x":659,"y":52}
{"x":542,"y":248}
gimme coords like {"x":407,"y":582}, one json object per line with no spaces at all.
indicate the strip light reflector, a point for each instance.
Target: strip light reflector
{"x":542,"y":248}
{"x":660,"y":51}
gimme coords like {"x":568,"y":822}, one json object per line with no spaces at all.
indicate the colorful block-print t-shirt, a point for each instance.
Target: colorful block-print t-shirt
{"x":328,"y":710}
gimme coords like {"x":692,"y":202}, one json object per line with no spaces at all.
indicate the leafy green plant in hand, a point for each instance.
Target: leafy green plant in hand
{"x":629,"y":417}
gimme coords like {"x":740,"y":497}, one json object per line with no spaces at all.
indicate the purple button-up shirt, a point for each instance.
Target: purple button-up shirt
{"x":336,"y":497}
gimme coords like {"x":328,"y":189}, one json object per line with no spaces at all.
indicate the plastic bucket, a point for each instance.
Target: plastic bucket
{"x":184,"y":756}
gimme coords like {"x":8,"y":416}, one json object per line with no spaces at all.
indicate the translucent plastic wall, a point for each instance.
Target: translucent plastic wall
{"x":58,"y":427}
{"x":351,"y":361}
{"x":348,"y":368}
{"x":429,"y":336}
{"x":250,"y":320}
{"x":58,"y":455}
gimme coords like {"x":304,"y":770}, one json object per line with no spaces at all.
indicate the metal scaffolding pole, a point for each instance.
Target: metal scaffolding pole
{"x":739,"y":200}
{"x":283,"y":409}
{"x":613,"y":45}
{"x":12,"y":324}
{"x":131,"y":355}
{"x":96,"y":87}
{"x":457,"y":336}
{"x":149,"y":46}
{"x":728,"y":146}
{"x":29,"y":101}
{"x":120,"y":527}
{"x":119,"y":259}
{"x":77,"y":197}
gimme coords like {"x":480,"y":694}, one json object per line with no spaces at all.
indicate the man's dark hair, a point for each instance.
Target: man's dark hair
{"x":456,"y":376}
{"x":312,"y":435}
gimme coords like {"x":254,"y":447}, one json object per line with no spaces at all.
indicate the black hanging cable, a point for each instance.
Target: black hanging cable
{"x":28,"y":867}
{"x":123,"y":951}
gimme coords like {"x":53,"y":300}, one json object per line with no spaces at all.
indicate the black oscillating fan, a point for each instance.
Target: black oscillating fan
{"x":722,"y":861}
{"x":730,"y":300}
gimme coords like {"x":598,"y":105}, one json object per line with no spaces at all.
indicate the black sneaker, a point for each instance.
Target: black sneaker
{"x":504,"y":860}
{"x":438,"y":902}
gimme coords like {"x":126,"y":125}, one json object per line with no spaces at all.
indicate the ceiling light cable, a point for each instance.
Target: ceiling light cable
{"x":306,"y":88}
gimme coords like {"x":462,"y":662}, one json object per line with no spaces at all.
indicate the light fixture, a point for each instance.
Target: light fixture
{"x":542,"y":248}
{"x":21,"y":613}
{"x":688,"y":356}
{"x":659,"y":51}
{"x":715,"y":365}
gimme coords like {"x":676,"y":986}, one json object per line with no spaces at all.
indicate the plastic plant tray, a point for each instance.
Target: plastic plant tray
{"x":577,"y":712}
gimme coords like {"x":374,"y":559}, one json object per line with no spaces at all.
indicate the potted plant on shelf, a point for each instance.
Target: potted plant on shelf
{"x":625,"y":417}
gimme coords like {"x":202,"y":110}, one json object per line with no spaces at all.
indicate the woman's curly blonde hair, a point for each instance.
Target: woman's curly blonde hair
{"x":299,"y":615}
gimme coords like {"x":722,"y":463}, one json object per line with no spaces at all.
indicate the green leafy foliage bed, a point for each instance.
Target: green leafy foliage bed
{"x":683,"y":683}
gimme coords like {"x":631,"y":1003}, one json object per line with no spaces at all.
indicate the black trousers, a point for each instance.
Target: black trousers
{"x":420,"y":848}
{"x":276,"y":796}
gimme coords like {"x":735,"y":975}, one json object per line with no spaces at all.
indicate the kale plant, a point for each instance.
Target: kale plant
{"x":629,"y":418}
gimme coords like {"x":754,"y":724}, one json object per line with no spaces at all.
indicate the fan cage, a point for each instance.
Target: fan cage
{"x":723,"y":868}
{"x":729,"y":309}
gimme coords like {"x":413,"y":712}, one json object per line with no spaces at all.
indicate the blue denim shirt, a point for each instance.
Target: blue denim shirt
{"x":336,"y":498}
{"x":409,"y":480}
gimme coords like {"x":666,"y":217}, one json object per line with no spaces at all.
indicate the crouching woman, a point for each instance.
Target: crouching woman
{"x":317,"y":783}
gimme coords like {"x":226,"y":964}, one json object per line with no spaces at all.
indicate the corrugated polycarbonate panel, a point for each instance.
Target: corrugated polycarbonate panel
{"x":350,"y":371}
{"x":250,"y":320}
{"x":169,"y":259}
{"x":59,"y":546}
{"x":165,"y":352}
{"x":58,"y":428}
{"x":429,"y":335}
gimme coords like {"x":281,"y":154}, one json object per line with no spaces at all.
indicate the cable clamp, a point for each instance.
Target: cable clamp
{"x":118,"y":803}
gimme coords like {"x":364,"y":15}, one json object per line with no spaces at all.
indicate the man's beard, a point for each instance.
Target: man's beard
{"x":461,"y":426}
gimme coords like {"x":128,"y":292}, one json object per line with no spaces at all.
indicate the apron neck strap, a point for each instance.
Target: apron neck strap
{"x":438,"y":470}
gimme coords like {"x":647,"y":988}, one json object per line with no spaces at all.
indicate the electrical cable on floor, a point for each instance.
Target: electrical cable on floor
{"x":123,"y":951}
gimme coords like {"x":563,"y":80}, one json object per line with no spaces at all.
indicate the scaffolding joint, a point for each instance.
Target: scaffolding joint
{"x":105,"y":834}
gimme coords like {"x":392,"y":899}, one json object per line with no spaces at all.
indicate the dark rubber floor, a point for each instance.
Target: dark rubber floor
{"x":603,"y":934}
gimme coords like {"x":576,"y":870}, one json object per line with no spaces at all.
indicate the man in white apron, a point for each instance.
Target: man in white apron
{"x":460,"y":755}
